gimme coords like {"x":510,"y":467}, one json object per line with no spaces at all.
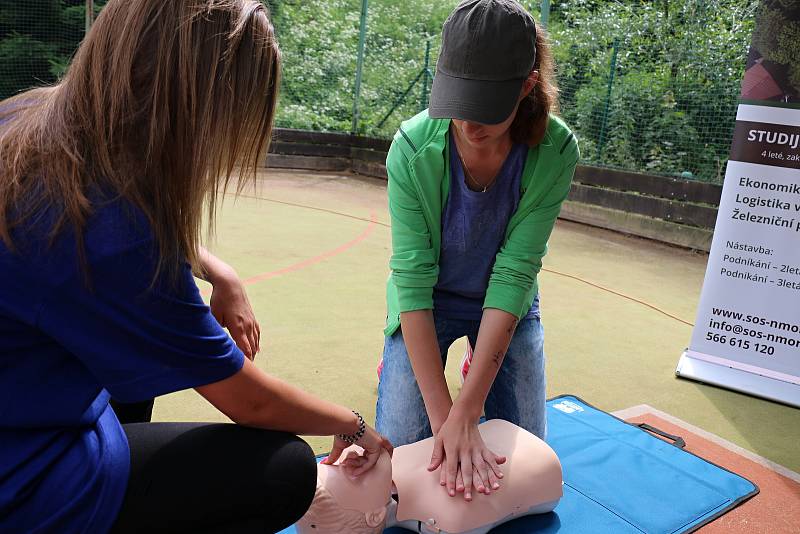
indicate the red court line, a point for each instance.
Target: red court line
{"x":373,"y":220}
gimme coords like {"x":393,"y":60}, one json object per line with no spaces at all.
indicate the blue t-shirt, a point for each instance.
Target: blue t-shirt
{"x":65,"y":345}
{"x":473,"y":231}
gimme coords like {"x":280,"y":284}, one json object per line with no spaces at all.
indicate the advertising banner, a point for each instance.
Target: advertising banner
{"x":747,"y":332}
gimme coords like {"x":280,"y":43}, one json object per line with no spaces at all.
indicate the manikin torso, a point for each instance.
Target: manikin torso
{"x":531,"y":484}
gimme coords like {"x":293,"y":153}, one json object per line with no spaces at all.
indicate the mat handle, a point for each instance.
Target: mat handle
{"x":676,"y":440}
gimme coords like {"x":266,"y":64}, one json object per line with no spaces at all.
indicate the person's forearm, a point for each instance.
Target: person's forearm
{"x":494,"y":336}
{"x":419,"y":335}
{"x":212,"y":268}
{"x":251,"y":397}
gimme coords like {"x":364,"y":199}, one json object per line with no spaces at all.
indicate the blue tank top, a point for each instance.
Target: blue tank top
{"x":473,"y":231}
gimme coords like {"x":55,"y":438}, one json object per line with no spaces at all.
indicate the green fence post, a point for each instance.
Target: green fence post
{"x":400,"y":100}
{"x":362,"y":35}
{"x":423,"y":101}
{"x":89,"y":14}
{"x":544,"y":14}
{"x":612,"y":71}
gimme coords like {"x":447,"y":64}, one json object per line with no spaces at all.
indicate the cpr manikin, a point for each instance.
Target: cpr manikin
{"x":531,"y":485}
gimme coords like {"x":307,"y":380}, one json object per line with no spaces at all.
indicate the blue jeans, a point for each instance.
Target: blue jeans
{"x":517,"y":395}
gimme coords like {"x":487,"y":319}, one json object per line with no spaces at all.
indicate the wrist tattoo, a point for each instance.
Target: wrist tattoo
{"x":512,"y":327}
{"x":498,"y":358}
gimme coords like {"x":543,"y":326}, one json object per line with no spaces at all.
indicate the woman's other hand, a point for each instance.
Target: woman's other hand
{"x":229,"y":303}
{"x":465,"y":460}
{"x":231,"y":307}
{"x":373,"y":444}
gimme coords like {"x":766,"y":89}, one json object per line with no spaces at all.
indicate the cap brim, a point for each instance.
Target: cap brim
{"x":482,"y":101}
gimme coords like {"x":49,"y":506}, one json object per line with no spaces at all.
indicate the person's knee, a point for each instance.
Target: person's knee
{"x":290,"y":478}
{"x":305,"y":466}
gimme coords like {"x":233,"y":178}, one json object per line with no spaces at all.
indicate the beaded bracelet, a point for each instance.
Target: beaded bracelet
{"x":362,"y":429}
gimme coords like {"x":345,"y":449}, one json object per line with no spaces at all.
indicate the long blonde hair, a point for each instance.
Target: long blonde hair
{"x":163,"y":100}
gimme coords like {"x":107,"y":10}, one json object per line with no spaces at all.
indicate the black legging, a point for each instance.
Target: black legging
{"x":133,"y":412}
{"x":204,"y":478}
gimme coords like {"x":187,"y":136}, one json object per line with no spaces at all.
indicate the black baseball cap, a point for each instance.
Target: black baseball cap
{"x":488,"y":50}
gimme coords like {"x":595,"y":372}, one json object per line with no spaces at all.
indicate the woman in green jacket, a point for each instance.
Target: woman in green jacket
{"x":475,"y":186}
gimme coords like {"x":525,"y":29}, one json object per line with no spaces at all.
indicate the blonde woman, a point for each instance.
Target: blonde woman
{"x":103,"y":182}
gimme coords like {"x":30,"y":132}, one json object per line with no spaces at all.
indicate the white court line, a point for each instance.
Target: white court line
{"x":636,"y":411}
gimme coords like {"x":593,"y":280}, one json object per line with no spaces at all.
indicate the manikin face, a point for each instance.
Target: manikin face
{"x":344,"y":504}
{"x":480,"y":136}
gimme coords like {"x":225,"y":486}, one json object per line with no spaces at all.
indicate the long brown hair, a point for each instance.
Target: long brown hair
{"x":530,"y":124}
{"x":163,"y":100}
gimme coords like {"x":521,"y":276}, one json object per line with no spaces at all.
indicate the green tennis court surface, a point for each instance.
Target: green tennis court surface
{"x":314,"y":250}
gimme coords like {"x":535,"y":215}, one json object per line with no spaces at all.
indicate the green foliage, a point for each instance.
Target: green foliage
{"x":319,"y":40}
{"x":396,"y":42}
{"x":778,"y":36}
{"x":319,"y":64}
{"x":676,"y":83}
{"x":23,"y":60}
{"x":673,"y":99}
{"x":673,"y":96}
{"x":37,"y":40}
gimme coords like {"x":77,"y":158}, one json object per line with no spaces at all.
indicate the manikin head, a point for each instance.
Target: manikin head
{"x":531,"y":484}
{"x":346,"y":504}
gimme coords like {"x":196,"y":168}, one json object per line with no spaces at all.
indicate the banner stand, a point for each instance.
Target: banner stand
{"x":738,"y":380}
{"x":747,"y":333}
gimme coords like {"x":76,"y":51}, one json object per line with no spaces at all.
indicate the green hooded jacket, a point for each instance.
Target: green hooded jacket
{"x":418,"y":166}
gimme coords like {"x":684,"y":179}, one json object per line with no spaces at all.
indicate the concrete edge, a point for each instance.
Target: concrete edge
{"x":619,"y":221}
{"x":310,"y":163}
{"x":633,"y":224}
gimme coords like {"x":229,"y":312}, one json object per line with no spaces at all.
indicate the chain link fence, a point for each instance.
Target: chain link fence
{"x":653,"y":87}
{"x":647,"y":86}
{"x":37,"y":40}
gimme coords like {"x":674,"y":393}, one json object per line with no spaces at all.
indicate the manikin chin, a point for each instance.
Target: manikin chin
{"x":400,"y":491}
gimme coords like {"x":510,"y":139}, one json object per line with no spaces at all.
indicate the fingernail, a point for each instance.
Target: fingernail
{"x":452,"y":493}
{"x":496,"y":485}
{"x":468,"y":496}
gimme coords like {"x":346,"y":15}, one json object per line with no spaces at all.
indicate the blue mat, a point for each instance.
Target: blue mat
{"x":620,"y":479}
